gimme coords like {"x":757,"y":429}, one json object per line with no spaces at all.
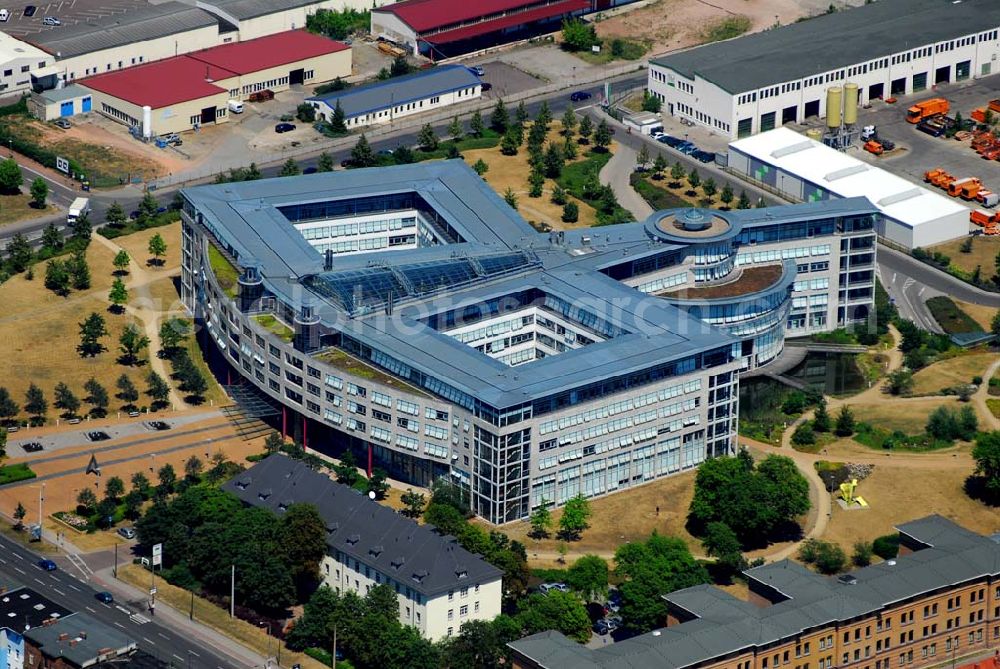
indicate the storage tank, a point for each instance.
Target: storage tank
{"x":850,"y":104}
{"x":834,"y":98}
{"x":815,"y":134}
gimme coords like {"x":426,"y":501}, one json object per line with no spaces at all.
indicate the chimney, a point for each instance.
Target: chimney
{"x":63,"y":636}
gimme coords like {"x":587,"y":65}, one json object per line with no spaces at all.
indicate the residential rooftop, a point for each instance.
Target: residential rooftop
{"x":22,"y":607}
{"x":81,"y":640}
{"x":363,"y":529}
{"x":718,"y":624}
{"x":831,"y":41}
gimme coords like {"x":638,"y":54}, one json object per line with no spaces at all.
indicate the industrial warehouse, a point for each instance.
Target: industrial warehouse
{"x":887,"y":48}
{"x":194,"y":90}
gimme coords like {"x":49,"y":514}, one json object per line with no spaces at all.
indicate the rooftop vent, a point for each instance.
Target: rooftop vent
{"x":398,"y":562}
{"x":353,"y":539}
{"x":265,"y":493}
{"x":375,"y":551}
{"x":419,"y":576}
{"x":891,"y":563}
{"x":332,"y":527}
{"x":847,"y":579}
{"x":244,"y":483}
{"x":285,"y":504}
{"x":461,"y":572}
{"x":656,"y":632}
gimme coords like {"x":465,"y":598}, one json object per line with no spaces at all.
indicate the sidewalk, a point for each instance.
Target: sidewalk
{"x":617,"y":173}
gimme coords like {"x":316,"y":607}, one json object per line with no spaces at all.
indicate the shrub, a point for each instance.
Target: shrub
{"x":862,"y":556}
{"x":886,"y":546}
{"x":804,"y":435}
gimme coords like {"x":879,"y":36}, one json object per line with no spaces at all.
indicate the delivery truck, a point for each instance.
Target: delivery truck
{"x":80,"y":207}
{"x":927,"y":109}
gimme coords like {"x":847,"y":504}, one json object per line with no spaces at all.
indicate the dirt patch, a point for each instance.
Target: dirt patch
{"x":952,"y":372}
{"x":981,"y":314}
{"x":677,"y":24}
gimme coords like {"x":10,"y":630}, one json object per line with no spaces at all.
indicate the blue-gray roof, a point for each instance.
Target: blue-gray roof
{"x":374,"y":534}
{"x":500,"y":255}
{"x":81,"y":640}
{"x":400,"y":90}
{"x":718,"y":624}
{"x":832,"y":41}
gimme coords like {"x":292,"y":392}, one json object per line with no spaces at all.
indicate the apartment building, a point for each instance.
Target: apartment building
{"x":756,"y":83}
{"x":939,"y":600}
{"x":439,"y":584}
{"x":525,"y":367}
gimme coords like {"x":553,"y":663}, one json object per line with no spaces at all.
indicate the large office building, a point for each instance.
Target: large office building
{"x":937,"y":601}
{"x":409,"y":314}
{"x":439,"y":585}
{"x":888,"y":48}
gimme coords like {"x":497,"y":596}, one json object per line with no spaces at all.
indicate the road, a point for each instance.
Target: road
{"x":129,"y":197}
{"x":61,"y":586}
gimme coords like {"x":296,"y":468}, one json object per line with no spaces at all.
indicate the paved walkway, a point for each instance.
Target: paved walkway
{"x":616,"y":173}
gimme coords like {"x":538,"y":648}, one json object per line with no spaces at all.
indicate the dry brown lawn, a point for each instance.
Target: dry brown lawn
{"x":900,"y":494}
{"x":18,"y":208}
{"x":951,"y":372}
{"x":512,"y":172}
{"x":984,"y":253}
{"x":618,"y":518}
{"x":979,"y":313}
{"x":909,"y":416}
{"x":137,"y":245}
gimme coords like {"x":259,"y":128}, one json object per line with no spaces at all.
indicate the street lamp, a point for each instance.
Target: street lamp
{"x":267,"y":626}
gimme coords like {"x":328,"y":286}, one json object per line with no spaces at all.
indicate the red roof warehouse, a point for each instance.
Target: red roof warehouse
{"x":440,"y":28}
{"x":215,"y":75}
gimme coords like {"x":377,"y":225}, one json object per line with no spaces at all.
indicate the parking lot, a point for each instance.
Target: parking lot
{"x":506,"y":80}
{"x":68,"y":12}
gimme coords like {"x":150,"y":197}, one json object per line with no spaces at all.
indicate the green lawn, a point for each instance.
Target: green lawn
{"x":950,"y":317}
{"x":657,"y":198}
{"x":275,"y":326}
{"x":13,"y":473}
{"x":225,"y":273}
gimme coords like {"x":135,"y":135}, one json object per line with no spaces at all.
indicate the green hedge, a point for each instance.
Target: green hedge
{"x":14,"y":473}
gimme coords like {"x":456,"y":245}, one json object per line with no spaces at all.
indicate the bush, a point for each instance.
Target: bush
{"x":862,"y":556}
{"x":571,"y":212}
{"x":804,"y":435}
{"x":828,"y":558}
{"x":886,"y":546}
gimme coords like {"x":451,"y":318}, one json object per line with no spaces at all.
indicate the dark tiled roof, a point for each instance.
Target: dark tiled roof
{"x":21,"y":606}
{"x":370,"y":532}
{"x":86,"y":640}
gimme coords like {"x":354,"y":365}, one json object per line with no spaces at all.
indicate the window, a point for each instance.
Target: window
{"x":436,"y":99}
{"x":451,"y":615}
{"x":463,"y":611}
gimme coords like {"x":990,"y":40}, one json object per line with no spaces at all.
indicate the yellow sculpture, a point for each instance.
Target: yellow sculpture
{"x":847,"y":489}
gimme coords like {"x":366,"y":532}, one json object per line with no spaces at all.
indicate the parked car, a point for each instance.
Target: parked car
{"x":704,"y":156}
{"x":657,"y":135}
{"x":486,"y":86}
{"x":51,"y":21}
{"x":32,"y":447}
{"x":4,"y":15}
{"x":172,"y":138}
{"x":605,"y":626}
{"x":104,"y":597}
{"x":687,"y":148}
{"x":309,"y":170}
{"x":477,"y":70}
{"x":63,"y":123}
{"x":47,"y":565}
{"x":546,"y":588}
{"x":578,"y":96}
{"x":126,"y":532}
{"x":284,"y":127}
{"x":29,"y":11}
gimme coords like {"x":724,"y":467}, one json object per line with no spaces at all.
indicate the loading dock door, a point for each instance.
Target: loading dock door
{"x":919,"y":82}
{"x":208,"y":115}
{"x":876,"y":91}
{"x":296,"y":77}
{"x":767,"y":122}
{"x":86,"y":104}
{"x":942,"y":75}
{"x":898,"y":87}
{"x":962,"y":70}
{"x":789,"y":115}
{"x":812,"y":108}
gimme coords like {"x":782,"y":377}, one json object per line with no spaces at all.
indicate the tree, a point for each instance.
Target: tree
{"x":414,"y":503}
{"x":569,"y":121}
{"x":651,"y":103}
{"x":39,"y":192}
{"x":158,"y":248}
{"x":148,"y":208}
{"x":602,"y":136}
{"x":362,"y":154}
{"x":560,"y":611}
{"x":118,"y":296}
{"x":559,"y":195}
{"x":290,"y":168}
{"x":19,"y":253}
{"x":744,"y":201}
{"x":536,"y":181}
{"x":709,"y":188}
{"x":578,"y":36}
{"x":900,"y":381}
{"x":338,"y":120}
{"x":480,"y":167}
{"x":586,"y":129}
{"x":167,"y":477}
{"x":325,"y":162}
{"x":52,"y":239}
{"x":114,"y":488}
{"x":659,"y":166}
{"x":173,"y":332}
{"x":821,"y":418}
{"x":727,"y":195}
{"x":862,"y":556}
{"x":510,"y":197}
{"x":57,"y":278}
{"x":66,"y":400}
{"x":722,"y":543}
{"x":476,"y":125}
{"x":79,"y":270}
{"x":986,"y":453}
{"x":804,"y":435}
{"x":589,"y":576}
{"x":995,"y":325}
{"x":140,"y":484}
{"x":305,"y":112}
{"x":482,"y":644}
{"x":455,"y":129}
{"x":499,"y":119}
{"x":576,"y":513}
{"x":273,"y":443}
{"x":8,"y":407}
{"x":133,"y":505}
{"x":677,"y":172}
{"x":642,"y":158}
{"x":81,"y":230}
{"x":509,"y":143}
{"x":35,"y":404}
{"x":378,"y":484}
{"x":347,"y":469}
{"x":693,"y":178}
{"x":829,"y":558}
{"x":10,"y":176}
{"x":845,"y":422}
{"x":158,"y":390}
{"x":521,"y":114}
{"x":115,"y":216}
{"x":304,"y":540}
{"x":127,"y":392}
{"x":553,"y":161}
{"x":19,"y":513}
{"x":86,"y":501}
{"x":193,"y":468}
{"x":570,"y":212}
{"x":97,"y":398}
{"x":426,"y":139}
{"x":132,"y":343}
{"x":541,"y":521}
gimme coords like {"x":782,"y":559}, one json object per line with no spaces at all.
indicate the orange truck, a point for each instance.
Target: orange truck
{"x":930,"y":174}
{"x":987,"y":220}
{"x":970,"y":190}
{"x":958,"y":186}
{"x":926,"y":109}
{"x":995,"y":106}
{"x":942,"y":180}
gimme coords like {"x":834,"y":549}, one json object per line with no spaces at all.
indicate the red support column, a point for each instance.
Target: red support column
{"x":369,"y":460}
{"x":305,"y":438}
{"x":284,"y":422}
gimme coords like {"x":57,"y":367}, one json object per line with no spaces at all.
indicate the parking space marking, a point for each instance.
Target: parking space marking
{"x":18,"y":569}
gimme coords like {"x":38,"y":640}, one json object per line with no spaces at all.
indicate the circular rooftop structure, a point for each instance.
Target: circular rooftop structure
{"x":689,"y":225}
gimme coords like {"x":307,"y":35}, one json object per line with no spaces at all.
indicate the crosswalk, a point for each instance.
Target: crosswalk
{"x":138,"y":619}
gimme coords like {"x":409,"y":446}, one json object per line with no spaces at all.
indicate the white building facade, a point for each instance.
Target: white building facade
{"x":757,"y":83}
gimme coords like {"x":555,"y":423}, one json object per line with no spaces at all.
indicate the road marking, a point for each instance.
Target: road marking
{"x":19,"y":570}
{"x":164,"y":636}
{"x":178,"y":657}
{"x":90,"y":609}
{"x":59,"y":591}
{"x":194,"y":653}
{"x":123,"y":609}
{"x":119,"y":625}
{"x":2,"y":560}
{"x":18,"y":556}
{"x":894,"y":277}
{"x":74,"y":587}
{"x":921,"y":291}
{"x":39,"y":581}
{"x":148,"y":640}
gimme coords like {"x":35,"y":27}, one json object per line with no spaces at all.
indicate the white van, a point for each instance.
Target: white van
{"x":4,"y":15}
{"x":236,"y":106}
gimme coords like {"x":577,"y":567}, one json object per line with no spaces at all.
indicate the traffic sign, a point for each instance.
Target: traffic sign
{"x":62,"y":164}
{"x":157,"y":555}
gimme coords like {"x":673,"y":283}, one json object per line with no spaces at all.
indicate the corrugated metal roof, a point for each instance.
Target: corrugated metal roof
{"x":832,"y":41}
{"x":400,"y":90}
{"x":264,"y":53}
{"x":507,"y":21}
{"x":250,"y":9}
{"x":137,"y":25}
{"x":425,"y":15}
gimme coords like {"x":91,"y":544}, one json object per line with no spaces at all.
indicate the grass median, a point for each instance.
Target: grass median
{"x":212,"y":616}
